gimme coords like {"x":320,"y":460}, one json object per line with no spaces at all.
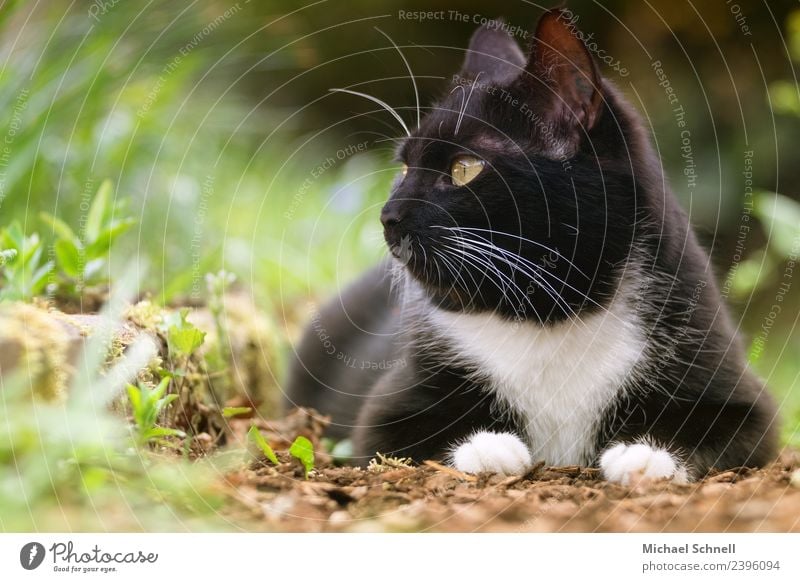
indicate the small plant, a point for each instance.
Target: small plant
{"x":148,"y":404}
{"x":24,"y":273}
{"x":183,"y":338}
{"x":255,"y":435}
{"x":303,"y":450}
{"x":82,"y":260}
{"x":7,"y":256}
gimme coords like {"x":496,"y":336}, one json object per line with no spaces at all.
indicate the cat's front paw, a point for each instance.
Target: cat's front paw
{"x":631,"y":463}
{"x":492,"y":452}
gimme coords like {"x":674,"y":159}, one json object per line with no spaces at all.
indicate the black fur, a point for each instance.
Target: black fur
{"x":569,"y":168}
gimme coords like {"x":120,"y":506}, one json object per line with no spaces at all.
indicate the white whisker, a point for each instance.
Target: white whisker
{"x":542,"y":271}
{"x":458,"y":276}
{"x":501,"y":233}
{"x":413,"y":80}
{"x":508,"y":283}
{"x":466,"y":102}
{"x":383,"y":104}
{"x":546,"y":286}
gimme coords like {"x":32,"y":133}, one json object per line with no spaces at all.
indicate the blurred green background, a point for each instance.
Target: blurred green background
{"x":214,"y":123}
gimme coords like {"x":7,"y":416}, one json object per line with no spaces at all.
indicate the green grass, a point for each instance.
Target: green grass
{"x":147,"y":404}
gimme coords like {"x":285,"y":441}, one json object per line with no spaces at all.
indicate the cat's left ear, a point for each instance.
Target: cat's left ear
{"x":560,"y":60}
{"x":493,"y":55}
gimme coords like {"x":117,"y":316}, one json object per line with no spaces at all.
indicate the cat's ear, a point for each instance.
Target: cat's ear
{"x":493,"y":55}
{"x":560,"y":60}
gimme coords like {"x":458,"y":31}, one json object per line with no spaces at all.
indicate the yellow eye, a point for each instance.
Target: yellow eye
{"x":465,"y":169}
{"x":404,"y":170}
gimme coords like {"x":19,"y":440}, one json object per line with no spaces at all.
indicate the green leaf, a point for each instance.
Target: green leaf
{"x":164,"y":402}
{"x":14,"y":236}
{"x":97,"y":211}
{"x":38,"y":279}
{"x":158,"y":431}
{"x":95,"y":271}
{"x":161,"y":389}
{"x":256,"y":436}
{"x":31,"y":250}
{"x":231,"y":411}
{"x":69,"y":257}
{"x":60,"y":228}
{"x":135,"y":396}
{"x":183,"y":338}
{"x":184,"y":341}
{"x":303,"y":450}
{"x":100,"y":245}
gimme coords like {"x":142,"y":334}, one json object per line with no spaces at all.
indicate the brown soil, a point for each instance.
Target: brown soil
{"x":548,"y":499}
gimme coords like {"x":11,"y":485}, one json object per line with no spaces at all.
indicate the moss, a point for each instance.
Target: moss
{"x":40,"y":346}
{"x":238,"y":370}
{"x":145,"y":315}
{"x":44,"y":343}
{"x":382,"y":463}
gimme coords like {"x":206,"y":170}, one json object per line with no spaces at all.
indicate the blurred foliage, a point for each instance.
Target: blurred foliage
{"x":81,"y":258}
{"x":68,"y":463}
{"x":24,"y":269}
{"x":198,"y":113}
{"x":159,"y":101}
{"x":225,"y":152}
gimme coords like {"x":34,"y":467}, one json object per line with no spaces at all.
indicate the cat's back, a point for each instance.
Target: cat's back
{"x":346,"y":346}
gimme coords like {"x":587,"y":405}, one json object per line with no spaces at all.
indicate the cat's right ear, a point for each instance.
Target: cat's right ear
{"x":493,"y":55}
{"x":561,"y":68}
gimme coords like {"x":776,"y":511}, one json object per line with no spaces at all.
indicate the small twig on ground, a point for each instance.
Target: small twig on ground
{"x":450,"y":471}
{"x":511,"y":480}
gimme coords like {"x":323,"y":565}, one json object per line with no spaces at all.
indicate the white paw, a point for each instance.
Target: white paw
{"x":630,"y":463}
{"x":492,"y":452}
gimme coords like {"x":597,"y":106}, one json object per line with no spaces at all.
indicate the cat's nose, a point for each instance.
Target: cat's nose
{"x":391,"y":215}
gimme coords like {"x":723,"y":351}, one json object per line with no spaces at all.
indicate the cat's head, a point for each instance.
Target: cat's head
{"x":517,"y":193}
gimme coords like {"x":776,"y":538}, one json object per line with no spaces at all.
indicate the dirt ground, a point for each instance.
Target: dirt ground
{"x":392,"y":497}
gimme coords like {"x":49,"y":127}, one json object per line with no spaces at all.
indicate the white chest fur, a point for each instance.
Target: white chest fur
{"x":558,"y":379}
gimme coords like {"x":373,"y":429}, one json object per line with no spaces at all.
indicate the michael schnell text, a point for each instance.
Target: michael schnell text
{"x":688,"y":549}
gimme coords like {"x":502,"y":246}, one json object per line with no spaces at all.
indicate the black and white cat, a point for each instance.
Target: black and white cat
{"x":548,"y":299}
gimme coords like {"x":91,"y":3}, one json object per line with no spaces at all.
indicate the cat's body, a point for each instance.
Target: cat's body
{"x":555,"y":307}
